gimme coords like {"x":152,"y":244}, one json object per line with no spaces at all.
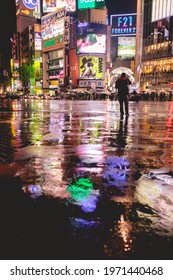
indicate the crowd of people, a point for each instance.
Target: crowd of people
{"x":157,"y":95}
{"x":89,"y":94}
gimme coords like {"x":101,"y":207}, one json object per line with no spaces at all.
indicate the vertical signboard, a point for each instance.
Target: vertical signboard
{"x":73,"y":28}
{"x":14,"y":46}
{"x":66,"y":30}
{"x":37,"y":37}
{"x":73,"y":61}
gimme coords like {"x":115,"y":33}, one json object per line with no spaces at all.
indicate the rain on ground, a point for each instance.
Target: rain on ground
{"x":79,"y":182}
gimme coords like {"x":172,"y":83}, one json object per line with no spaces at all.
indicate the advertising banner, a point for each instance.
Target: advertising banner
{"x":52,"y":5}
{"x":123,"y":24}
{"x":55,"y":30}
{"x":30,"y":8}
{"x":91,"y":67}
{"x":92,"y":83}
{"x":126,"y":47}
{"x":14,"y":46}
{"x":52,"y":27}
{"x":89,"y":4}
{"x":37,"y":69}
{"x":73,"y":62}
{"x":37,"y":37}
{"x":52,"y":18}
{"x":37,"y":41}
{"x":73,"y":28}
{"x":53,"y":43}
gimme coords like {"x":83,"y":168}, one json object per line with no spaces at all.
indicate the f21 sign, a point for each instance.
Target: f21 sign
{"x":123,"y":24}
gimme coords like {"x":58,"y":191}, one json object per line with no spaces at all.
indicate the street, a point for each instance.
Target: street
{"x":79,"y":182}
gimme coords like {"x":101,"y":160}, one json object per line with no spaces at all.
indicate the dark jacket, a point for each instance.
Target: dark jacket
{"x":122,"y":84}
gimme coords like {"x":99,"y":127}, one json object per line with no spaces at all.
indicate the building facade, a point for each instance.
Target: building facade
{"x":74,"y":49}
{"x":157,"y":45}
{"x":67,"y":46}
{"x":26,"y":44}
{"x":55,"y":28}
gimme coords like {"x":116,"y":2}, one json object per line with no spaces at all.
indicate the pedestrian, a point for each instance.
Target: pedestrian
{"x":122,"y":84}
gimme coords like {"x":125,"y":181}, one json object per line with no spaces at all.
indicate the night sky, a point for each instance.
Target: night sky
{"x":7,"y":27}
{"x":121,"y":6}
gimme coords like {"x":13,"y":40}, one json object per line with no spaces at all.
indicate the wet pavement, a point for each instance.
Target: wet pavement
{"x":78,"y":182}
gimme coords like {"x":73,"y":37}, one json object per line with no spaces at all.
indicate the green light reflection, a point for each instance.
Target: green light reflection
{"x":80,"y":189}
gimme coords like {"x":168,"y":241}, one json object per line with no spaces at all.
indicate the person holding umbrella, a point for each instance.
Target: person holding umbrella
{"x":122,"y":84}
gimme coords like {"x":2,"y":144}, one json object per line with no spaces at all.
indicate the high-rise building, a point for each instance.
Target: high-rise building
{"x":157,"y":45}
{"x":25,"y":43}
{"x":92,"y":43}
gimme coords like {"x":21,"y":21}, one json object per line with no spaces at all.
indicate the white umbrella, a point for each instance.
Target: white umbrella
{"x":120,"y":70}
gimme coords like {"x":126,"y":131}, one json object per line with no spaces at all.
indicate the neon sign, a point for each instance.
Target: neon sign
{"x":88,"y":4}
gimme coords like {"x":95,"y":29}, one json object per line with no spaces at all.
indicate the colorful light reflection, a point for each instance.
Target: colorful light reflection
{"x":116,"y":173}
{"x":34,"y":190}
{"x":82,"y":193}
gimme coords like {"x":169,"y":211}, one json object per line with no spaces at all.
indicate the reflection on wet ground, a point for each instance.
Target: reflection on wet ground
{"x":78,"y":182}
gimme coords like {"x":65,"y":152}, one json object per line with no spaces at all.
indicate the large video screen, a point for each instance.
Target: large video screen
{"x":91,"y":43}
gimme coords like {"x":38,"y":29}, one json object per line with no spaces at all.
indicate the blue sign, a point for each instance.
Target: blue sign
{"x":123,"y":24}
{"x":30,"y":4}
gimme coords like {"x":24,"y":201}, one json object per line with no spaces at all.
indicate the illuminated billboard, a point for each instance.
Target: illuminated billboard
{"x":37,"y":69}
{"x":37,"y":37}
{"x":73,"y":63}
{"x":91,"y":38}
{"x":123,"y":24}
{"x":52,"y":5}
{"x":52,"y":29}
{"x":73,"y":28}
{"x":126,"y":47}
{"x":30,"y":8}
{"x":55,"y":31}
{"x":91,"y":67}
{"x":89,"y":4}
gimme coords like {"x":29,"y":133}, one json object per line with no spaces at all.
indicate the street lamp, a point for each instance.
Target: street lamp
{"x":70,"y":83}
{"x":41,"y":84}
